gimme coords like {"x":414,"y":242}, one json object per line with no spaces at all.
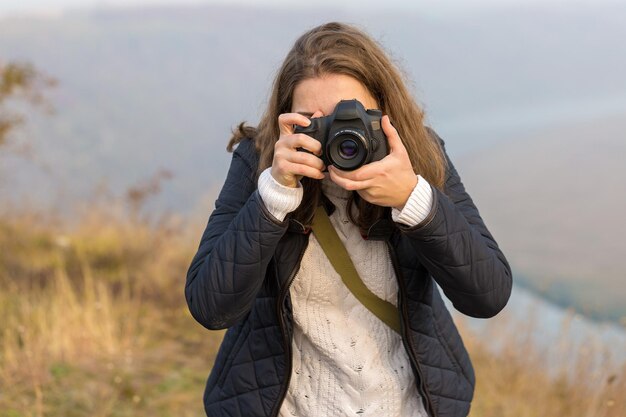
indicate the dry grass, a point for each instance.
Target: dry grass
{"x":95,"y":324}
{"x":520,"y":379}
{"x":94,"y":319}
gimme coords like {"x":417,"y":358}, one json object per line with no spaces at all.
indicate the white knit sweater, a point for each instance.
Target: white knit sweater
{"x":345,"y":360}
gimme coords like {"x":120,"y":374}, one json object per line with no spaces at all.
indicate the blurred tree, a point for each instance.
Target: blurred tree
{"x":137,"y":195}
{"x":19,"y":81}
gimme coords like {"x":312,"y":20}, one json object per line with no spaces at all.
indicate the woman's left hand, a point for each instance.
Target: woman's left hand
{"x":388,"y":182}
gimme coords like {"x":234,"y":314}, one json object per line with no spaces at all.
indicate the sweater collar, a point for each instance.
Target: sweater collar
{"x":333,"y":190}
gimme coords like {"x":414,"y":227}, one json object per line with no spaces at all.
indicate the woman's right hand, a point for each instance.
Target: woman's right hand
{"x":290,"y":165}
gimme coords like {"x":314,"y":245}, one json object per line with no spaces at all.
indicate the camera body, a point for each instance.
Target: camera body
{"x":351,"y":136}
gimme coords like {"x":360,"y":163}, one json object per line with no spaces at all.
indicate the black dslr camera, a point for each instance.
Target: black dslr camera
{"x":351,"y":136}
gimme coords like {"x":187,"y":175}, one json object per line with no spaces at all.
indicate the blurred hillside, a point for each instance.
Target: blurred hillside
{"x":156,"y":90}
{"x":555,"y":201}
{"x":143,"y":89}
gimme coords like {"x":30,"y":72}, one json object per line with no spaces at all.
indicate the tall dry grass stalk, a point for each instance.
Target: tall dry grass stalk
{"x":519,"y":376}
{"x":94,"y":323}
{"x":61,"y":326}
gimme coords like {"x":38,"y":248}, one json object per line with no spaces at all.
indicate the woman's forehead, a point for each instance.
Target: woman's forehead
{"x":321,"y":94}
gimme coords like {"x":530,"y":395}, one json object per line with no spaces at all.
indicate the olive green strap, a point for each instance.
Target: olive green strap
{"x":339,"y":258}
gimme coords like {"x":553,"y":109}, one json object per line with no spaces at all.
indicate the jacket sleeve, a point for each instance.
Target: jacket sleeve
{"x":455,"y":246}
{"x":229,"y":267}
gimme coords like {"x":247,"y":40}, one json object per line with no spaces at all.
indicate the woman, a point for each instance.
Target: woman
{"x":299,"y":343}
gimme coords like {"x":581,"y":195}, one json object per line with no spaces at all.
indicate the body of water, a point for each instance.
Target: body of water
{"x":561,"y":334}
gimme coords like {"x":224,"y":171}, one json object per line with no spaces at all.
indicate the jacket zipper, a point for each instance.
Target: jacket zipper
{"x":283,"y":330}
{"x":408,"y":345}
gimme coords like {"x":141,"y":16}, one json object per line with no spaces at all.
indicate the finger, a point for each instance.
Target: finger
{"x":287,"y":120}
{"x":366,"y":172}
{"x":348,"y":184}
{"x":304,"y":170}
{"x":301,"y":140}
{"x":393,"y":138}
{"x":305,"y":158}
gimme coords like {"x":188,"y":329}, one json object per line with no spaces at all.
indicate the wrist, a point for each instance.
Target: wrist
{"x":284,"y":180}
{"x":417,"y":207}
{"x":407,"y":192}
{"x":279,"y":199}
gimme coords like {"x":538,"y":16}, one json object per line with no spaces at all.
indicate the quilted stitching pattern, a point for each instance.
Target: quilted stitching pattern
{"x":245,"y":257}
{"x":253,"y":379}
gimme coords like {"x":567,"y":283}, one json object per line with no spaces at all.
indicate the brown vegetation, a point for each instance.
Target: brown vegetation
{"x":94,"y":319}
{"x":20,"y":80}
{"x":95,"y":324}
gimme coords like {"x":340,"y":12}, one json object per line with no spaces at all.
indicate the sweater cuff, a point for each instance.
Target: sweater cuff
{"x":418,"y":205}
{"x":279,"y":199}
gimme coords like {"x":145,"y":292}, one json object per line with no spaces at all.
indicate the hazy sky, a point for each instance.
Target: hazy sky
{"x":9,"y":7}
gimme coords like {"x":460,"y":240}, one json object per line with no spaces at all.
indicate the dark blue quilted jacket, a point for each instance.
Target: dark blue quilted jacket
{"x":239,"y":279}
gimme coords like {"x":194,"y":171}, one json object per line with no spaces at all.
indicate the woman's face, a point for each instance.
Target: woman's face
{"x":316,"y":97}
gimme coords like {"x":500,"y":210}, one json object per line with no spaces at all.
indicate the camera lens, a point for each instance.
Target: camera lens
{"x":348,"y":149}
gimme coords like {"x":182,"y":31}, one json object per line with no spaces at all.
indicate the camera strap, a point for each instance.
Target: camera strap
{"x":338,"y":256}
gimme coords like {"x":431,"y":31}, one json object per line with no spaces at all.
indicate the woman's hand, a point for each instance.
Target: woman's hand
{"x":388,"y":182}
{"x":289,"y":164}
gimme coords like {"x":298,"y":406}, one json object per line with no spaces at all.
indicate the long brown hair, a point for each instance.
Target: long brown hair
{"x":337,"y":48}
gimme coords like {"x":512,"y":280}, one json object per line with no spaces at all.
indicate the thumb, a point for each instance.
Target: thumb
{"x":393,"y":138}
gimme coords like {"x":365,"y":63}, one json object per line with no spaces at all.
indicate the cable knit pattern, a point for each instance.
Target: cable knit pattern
{"x":345,"y":360}
{"x":417,"y":207}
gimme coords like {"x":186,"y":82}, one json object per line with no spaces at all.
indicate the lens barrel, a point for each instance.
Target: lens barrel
{"x":347,"y":149}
